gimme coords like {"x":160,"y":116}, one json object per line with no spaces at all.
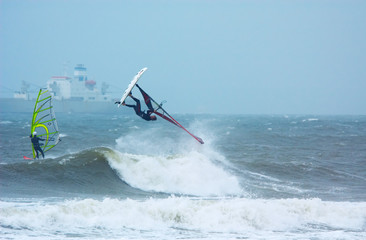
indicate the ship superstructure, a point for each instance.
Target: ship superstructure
{"x":76,"y":93}
{"x":77,"y":88}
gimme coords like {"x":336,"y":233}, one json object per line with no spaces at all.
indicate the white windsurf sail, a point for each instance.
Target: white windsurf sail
{"x":44,"y":121}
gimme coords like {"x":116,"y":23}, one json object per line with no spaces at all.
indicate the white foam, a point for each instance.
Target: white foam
{"x":310,"y":119}
{"x":191,"y":173}
{"x":297,"y":218}
{"x":172,"y":162}
{"x":62,"y":135}
{"x":6,"y":122}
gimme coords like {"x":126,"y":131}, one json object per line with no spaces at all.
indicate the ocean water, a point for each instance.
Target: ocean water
{"x":115,"y":176}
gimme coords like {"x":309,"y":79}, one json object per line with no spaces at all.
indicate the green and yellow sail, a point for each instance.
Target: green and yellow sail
{"x":44,"y":121}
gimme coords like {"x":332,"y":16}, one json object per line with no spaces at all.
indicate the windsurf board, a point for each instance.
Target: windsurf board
{"x":131,"y":85}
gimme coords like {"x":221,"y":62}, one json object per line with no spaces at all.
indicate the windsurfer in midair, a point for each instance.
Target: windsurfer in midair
{"x":144,"y":115}
{"x":36,"y":145}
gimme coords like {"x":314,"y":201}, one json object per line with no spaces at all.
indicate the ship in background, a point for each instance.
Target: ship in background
{"x":70,"y":94}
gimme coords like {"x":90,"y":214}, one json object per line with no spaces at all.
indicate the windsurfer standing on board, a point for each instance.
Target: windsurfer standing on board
{"x":146,"y":116}
{"x":36,"y":145}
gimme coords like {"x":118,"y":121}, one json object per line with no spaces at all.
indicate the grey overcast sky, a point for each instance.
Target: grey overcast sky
{"x":203,"y":56}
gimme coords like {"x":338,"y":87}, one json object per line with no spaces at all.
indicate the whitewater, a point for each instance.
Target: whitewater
{"x":115,"y":176}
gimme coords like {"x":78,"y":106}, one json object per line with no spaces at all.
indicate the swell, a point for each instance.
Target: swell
{"x":83,"y":173}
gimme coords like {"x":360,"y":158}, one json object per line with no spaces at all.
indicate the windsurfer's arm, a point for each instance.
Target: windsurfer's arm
{"x":124,"y":104}
{"x":118,"y":102}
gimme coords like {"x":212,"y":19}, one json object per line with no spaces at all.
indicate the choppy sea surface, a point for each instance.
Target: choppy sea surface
{"x":116,"y":176}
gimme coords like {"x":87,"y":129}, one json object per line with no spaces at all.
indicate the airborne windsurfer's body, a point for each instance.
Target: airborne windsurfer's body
{"x":36,"y":145}
{"x":151,"y":113}
{"x":144,"y":115}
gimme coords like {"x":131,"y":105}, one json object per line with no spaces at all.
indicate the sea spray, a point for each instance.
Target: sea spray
{"x":191,"y":174}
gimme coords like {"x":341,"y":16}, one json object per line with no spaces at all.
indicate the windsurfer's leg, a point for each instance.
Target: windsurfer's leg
{"x":137,"y":107}
{"x":40,"y":149}
{"x":135,"y":99}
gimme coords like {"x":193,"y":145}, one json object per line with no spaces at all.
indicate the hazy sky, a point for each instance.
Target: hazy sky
{"x":212,"y":56}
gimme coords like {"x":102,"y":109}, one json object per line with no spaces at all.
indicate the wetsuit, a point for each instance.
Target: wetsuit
{"x":137,"y":107}
{"x":35,"y":141}
{"x":138,"y":111}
